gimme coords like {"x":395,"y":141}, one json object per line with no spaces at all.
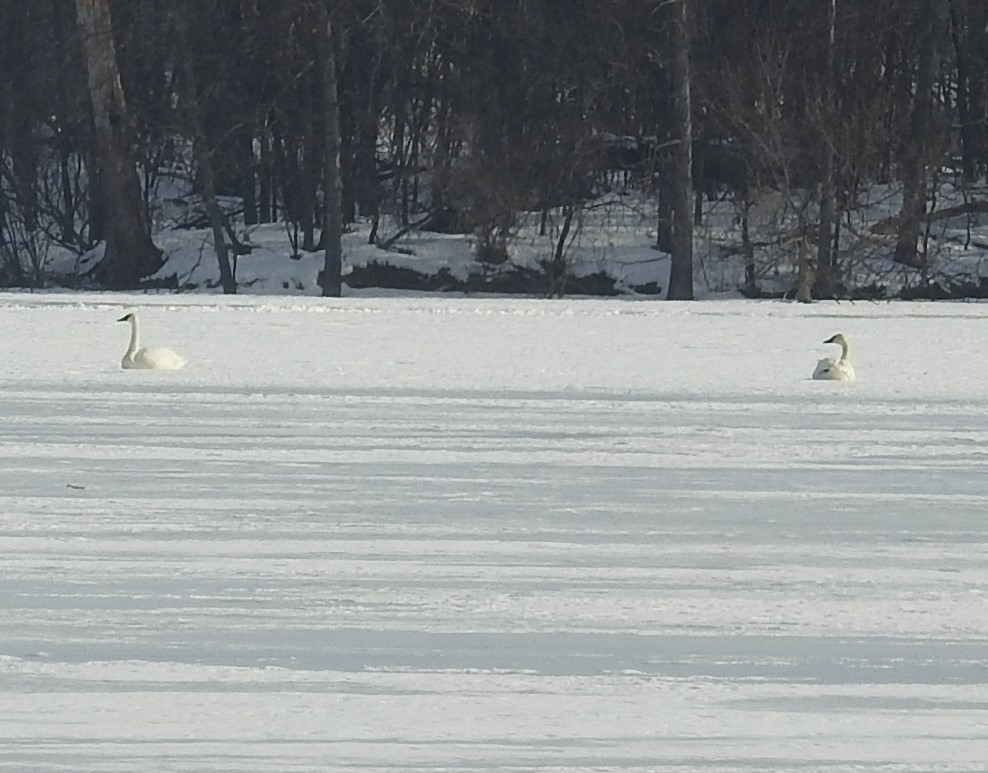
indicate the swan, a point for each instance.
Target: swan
{"x":829,"y":369}
{"x":153,"y":358}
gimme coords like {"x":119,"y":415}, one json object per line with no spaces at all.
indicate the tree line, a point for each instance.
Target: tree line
{"x":458,"y":115}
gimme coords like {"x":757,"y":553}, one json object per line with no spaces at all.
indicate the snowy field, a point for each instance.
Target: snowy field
{"x":436,"y":534}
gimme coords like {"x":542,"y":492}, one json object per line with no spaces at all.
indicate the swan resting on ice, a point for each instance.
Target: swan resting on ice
{"x":829,"y":369}
{"x":147,"y":358}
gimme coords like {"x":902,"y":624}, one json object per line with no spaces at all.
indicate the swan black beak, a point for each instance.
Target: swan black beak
{"x":125,"y":318}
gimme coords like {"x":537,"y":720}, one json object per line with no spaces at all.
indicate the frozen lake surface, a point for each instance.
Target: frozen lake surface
{"x":492,"y":535}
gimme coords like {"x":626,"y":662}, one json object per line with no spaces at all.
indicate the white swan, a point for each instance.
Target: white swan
{"x":153,"y":358}
{"x":829,"y":369}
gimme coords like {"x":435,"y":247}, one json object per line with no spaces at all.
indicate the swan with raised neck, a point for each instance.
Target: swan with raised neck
{"x":147,"y":358}
{"x":829,"y":369}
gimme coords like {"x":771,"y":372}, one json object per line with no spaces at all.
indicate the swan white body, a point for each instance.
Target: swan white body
{"x":147,"y":358}
{"x":829,"y":369}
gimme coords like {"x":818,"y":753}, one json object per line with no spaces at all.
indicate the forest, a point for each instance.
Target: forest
{"x":862,"y":125}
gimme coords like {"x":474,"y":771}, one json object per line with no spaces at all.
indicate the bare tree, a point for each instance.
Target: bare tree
{"x":473,"y":111}
{"x":917,"y":144}
{"x":681,"y":270}
{"x":204,"y":160}
{"x":825,"y":268}
{"x":130,"y":254}
{"x":962,"y":31}
{"x":332,"y":236}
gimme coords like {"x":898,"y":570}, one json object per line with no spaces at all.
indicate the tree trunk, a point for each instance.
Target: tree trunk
{"x":970,"y":139}
{"x":204,"y":160}
{"x":914,"y":180}
{"x":265,"y":185}
{"x":557,"y":266}
{"x":804,"y":271}
{"x":825,"y":267}
{"x":248,"y":177}
{"x":130,"y":254}
{"x":17,"y":132}
{"x":331,"y":279}
{"x":751,"y":288}
{"x":63,"y":31}
{"x":310,"y":168}
{"x":681,"y":270}
{"x":663,"y":225}
{"x":697,"y":172}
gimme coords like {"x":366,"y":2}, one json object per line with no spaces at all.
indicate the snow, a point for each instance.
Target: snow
{"x":460,"y":534}
{"x":614,"y":234}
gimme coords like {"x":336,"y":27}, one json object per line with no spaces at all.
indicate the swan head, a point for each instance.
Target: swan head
{"x":126,"y":317}
{"x":838,"y":339}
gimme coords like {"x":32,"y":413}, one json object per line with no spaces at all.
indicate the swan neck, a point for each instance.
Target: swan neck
{"x":845,"y":350}
{"x":135,"y":336}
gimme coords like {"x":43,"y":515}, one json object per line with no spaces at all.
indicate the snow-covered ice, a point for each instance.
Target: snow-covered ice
{"x":443,"y":534}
